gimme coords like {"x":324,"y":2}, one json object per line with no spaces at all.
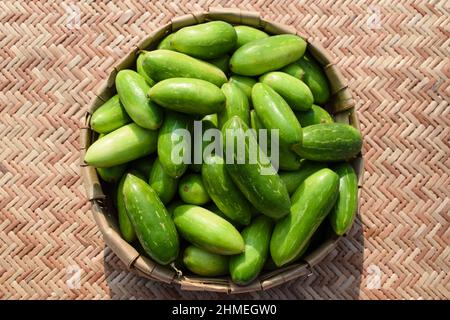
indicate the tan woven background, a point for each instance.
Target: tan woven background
{"x":395,"y":55}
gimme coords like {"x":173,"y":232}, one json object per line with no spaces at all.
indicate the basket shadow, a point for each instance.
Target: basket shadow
{"x":338,"y":276}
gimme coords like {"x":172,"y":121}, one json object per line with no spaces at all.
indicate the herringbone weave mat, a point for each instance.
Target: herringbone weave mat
{"x":395,"y":55}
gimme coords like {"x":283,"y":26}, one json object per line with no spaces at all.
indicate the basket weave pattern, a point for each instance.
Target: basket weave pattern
{"x":52,"y":70}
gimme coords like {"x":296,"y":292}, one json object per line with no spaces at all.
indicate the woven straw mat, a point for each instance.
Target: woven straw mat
{"x":395,"y":56}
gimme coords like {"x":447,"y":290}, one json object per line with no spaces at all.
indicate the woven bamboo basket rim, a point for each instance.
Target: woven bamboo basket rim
{"x":341,"y":105}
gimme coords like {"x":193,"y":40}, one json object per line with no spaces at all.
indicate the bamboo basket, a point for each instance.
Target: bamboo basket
{"x":341,"y":105}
